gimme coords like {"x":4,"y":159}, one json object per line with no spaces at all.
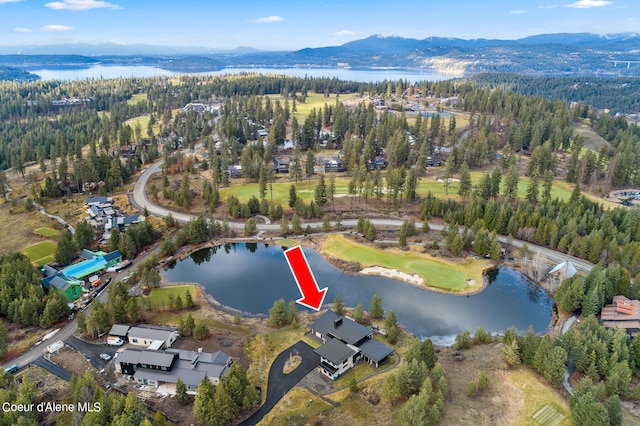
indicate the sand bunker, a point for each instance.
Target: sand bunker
{"x":414,"y":279}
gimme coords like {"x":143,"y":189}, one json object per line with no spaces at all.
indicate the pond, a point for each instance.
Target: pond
{"x":250,"y":277}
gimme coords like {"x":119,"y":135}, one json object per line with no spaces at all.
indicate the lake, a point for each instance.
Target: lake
{"x":352,"y":74}
{"x":250,"y":277}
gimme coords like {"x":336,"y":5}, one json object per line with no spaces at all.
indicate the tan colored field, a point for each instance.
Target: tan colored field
{"x":17,"y":226}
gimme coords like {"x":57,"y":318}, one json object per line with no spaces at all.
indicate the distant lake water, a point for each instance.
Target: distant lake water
{"x":250,"y":277}
{"x":351,"y":74}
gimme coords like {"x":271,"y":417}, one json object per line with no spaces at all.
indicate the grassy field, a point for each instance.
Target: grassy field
{"x":314,"y":100}
{"x":560,"y":189}
{"x":592,"y":140}
{"x":539,"y":399}
{"x":143,"y":120}
{"x":304,"y":189}
{"x":41,"y":253}
{"x":17,"y":225}
{"x":137,"y":98}
{"x":160,"y":296}
{"x":46,"y":232}
{"x":437,"y":273}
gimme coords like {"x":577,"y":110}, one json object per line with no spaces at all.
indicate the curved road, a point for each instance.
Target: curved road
{"x":279,"y":383}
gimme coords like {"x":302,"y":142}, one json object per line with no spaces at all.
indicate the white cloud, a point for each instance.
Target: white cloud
{"x":588,"y":4}
{"x":56,"y":28}
{"x":81,"y":5}
{"x":21,"y":30}
{"x":517,"y":12}
{"x":549,"y":6}
{"x":268,"y":19}
{"x":343,"y":33}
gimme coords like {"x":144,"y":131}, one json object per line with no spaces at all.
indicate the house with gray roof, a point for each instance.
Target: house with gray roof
{"x":119,"y":330}
{"x":164,"y":368}
{"x":345,"y":343}
{"x":146,"y":334}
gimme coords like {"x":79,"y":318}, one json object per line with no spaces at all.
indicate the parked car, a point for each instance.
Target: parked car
{"x":13,"y":369}
{"x":105,"y":357}
{"x":115,"y":341}
{"x":55,"y":346}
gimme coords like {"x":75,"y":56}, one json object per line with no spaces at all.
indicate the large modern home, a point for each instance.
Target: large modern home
{"x":163,"y":368}
{"x":105,"y":217}
{"x":345,"y":343}
{"x":622,"y":313}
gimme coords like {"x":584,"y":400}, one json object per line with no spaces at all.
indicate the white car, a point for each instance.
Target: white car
{"x":105,"y":357}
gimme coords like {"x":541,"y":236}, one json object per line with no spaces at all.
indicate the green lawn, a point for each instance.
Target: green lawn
{"x":160,"y":296}
{"x":46,"y":232}
{"x":142,"y":120}
{"x":314,"y":100}
{"x":436,"y":272}
{"x":137,"y":98}
{"x":40,"y":253}
{"x":560,"y":189}
{"x":304,"y":189}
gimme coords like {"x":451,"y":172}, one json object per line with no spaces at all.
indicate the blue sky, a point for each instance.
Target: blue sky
{"x":290,"y":25}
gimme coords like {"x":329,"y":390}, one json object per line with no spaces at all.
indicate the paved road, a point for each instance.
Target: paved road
{"x":279,"y":383}
{"x":68,"y":329}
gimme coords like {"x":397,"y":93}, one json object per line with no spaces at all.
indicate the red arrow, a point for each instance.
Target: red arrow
{"x":312,"y":296}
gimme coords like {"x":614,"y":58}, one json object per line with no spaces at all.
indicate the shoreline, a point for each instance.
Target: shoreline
{"x":344,"y":266}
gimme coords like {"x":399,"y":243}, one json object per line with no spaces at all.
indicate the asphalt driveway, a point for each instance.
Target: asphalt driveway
{"x":92,"y":351}
{"x":53,"y":368}
{"x":279,"y":383}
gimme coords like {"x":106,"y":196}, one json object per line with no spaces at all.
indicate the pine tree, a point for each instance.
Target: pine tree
{"x":511,"y":353}
{"x":358,"y":313}
{"x":464,"y":189}
{"x":375,"y":308}
{"x":338,"y":307}
{"x":321,"y":192}
{"x":293,"y":196}
{"x":533,"y":188}
{"x":181,"y":392}
{"x":203,"y":407}
{"x":511,"y":184}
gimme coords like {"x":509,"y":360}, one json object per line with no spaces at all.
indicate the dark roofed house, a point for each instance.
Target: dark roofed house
{"x":345,"y":343}
{"x":87,"y":254}
{"x":374,"y":352}
{"x":164,"y":368}
{"x":281,"y":164}
{"x":132,"y":359}
{"x":97,"y":200}
{"x":337,"y":358}
{"x":331,"y":325}
{"x":119,"y":330}
{"x":55,"y":280}
{"x":113,"y":257}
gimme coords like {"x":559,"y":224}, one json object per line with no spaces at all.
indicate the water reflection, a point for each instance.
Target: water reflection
{"x":251,"y":278}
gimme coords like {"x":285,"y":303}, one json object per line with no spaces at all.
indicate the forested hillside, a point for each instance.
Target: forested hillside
{"x":619,"y":95}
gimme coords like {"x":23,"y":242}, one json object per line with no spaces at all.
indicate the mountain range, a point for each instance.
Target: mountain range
{"x":577,"y":54}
